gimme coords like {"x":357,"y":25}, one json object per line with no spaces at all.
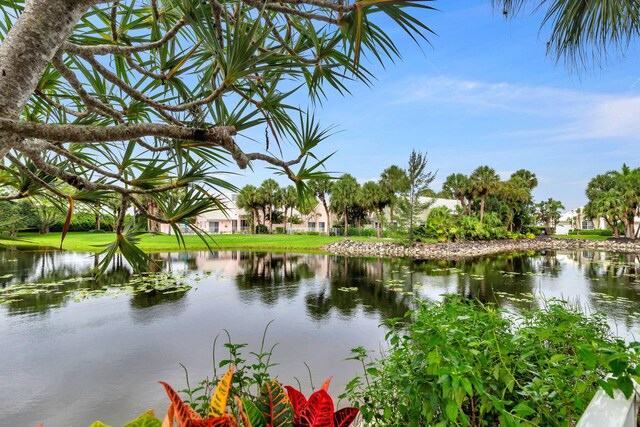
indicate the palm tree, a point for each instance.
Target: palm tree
{"x":527,"y":178}
{"x":270,"y":191}
{"x":394,"y":180}
{"x":321,"y":187}
{"x":344,"y":196}
{"x":375,"y":199}
{"x":627,"y":182}
{"x":583,"y":31}
{"x":289,"y":199}
{"x":513,"y":196}
{"x":610,"y":206}
{"x":549,"y":213}
{"x":483,"y":181}
{"x":456,"y":185}
{"x":248,"y":200}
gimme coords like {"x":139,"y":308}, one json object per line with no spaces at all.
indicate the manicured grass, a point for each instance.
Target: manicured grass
{"x":580,"y":237}
{"x":94,"y":242}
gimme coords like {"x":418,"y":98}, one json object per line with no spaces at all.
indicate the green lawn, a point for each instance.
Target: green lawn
{"x":94,"y":242}
{"x":580,"y":237}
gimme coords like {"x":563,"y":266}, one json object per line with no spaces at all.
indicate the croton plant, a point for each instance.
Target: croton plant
{"x":275,"y":406}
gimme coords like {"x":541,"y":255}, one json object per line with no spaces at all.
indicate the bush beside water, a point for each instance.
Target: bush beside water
{"x":464,"y":363}
{"x":443,"y":226}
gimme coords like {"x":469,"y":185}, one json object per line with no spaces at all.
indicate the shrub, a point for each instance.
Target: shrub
{"x":262,"y":229}
{"x":279,"y":230}
{"x":536,"y":230}
{"x":606,"y":233}
{"x":463,"y":363}
{"x":84,"y":221}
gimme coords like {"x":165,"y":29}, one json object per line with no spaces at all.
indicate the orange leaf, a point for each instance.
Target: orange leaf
{"x":168,"y":419}
{"x":67,"y":222}
{"x":218,"y":404}
{"x":325,"y":384}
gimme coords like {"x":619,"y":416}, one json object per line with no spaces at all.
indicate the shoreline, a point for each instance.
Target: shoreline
{"x":473,"y":249}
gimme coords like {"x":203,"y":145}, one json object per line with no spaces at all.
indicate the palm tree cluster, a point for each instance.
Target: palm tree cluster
{"x":354,"y":204}
{"x":483,"y":191}
{"x":264,"y":202}
{"x":615,"y":197}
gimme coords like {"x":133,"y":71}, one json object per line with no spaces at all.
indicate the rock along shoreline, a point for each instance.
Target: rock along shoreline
{"x":471,"y":249}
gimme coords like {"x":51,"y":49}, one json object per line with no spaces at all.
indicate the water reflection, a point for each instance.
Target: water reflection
{"x":124,"y":332}
{"x":386,"y":287}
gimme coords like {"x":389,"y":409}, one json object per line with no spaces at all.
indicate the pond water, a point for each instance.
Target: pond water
{"x":74,"y":349}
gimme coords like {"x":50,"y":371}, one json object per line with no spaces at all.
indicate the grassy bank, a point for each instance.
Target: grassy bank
{"x":579,"y":237}
{"x":94,"y":242}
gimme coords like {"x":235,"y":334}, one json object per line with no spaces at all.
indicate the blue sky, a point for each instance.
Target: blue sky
{"x":486,"y":93}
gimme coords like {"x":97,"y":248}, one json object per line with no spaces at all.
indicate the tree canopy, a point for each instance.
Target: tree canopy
{"x":115,"y":103}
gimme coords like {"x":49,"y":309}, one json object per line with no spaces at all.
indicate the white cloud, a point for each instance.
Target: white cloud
{"x":572,"y":115}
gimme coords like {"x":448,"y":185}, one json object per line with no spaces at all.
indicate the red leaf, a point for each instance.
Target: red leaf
{"x":318,"y":412}
{"x":183,"y":413}
{"x":298,"y":401}
{"x":325,"y":384}
{"x":345,"y":416}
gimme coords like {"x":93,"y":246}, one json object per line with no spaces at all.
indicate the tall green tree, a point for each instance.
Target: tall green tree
{"x":483,"y":181}
{"x":513,"y":197}
{"x":395,"y":182}
{"x":549,"y":212}
{"x":624,"y":186}
{"x":124,"y":98}
{"x":248,"y":199}
{"x":321,"y":187}
{"x":457,"y":186}
{"x":289,"y":200}
{"x":419,"y":180}
{"x":375,"y":199}
{"x":344,"y":196}
{"x":270,"y":197}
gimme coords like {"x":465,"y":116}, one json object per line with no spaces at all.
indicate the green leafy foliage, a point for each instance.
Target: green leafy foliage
{"x":461,"y":362}
{"x":443,"y":226}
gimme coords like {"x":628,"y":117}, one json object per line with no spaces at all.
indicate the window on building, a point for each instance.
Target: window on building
{"x":321,"y":226}
{"x":311,"y":226}
{"x":587,"y":225}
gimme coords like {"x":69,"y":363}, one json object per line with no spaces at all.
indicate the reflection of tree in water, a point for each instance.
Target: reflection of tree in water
{"x":490,"y":279}
{"x":67,"y":274}
{"x":366,"y":278}
{"x":272,"y":276}
{"x":614,"y":280}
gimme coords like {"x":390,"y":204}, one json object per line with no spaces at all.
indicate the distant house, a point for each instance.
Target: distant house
{"x":218,"y":222}
{"x":235,"y":220}
{"x":576,"y":220}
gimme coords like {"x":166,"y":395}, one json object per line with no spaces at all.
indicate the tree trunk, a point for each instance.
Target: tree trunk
{"x":285,"y":219}
{"x":97,"y":219}
{"x":616,"y":230}
{"x":326,"y":210}
{"x":27,"y":50}
{"x":632,"y":225}
{"x":380,"y":220}
{"x":482,"y":208}
{"x":270,"y":219}
{"x":346,"y":223}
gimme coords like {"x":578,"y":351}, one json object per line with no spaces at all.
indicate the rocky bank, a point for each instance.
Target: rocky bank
{"x":460,"y":250}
